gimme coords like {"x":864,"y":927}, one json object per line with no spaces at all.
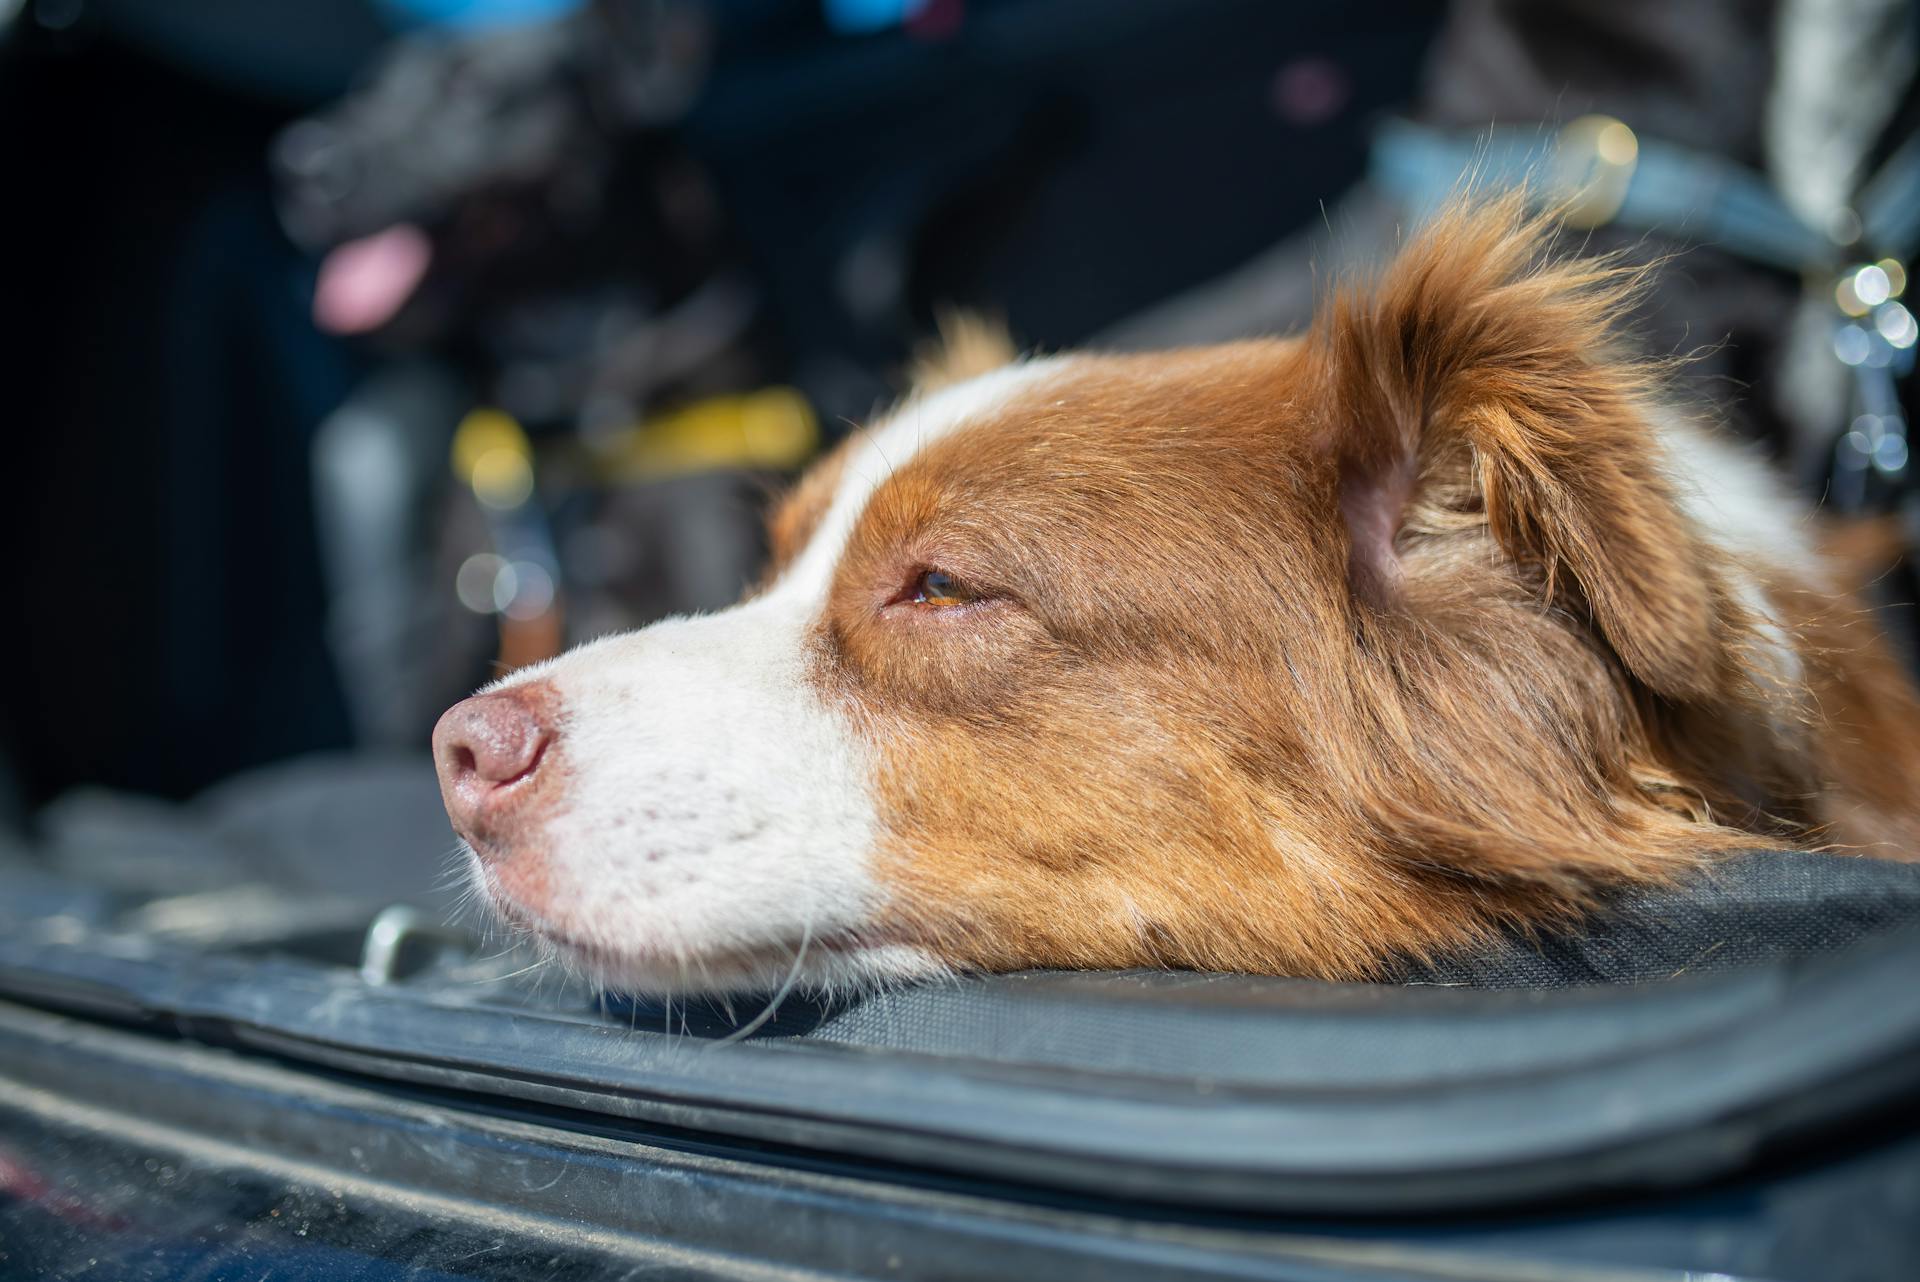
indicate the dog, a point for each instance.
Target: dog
{"x":1292,"y":656}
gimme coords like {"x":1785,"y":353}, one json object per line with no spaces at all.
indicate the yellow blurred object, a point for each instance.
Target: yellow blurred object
{"x":774,"y":428}
{"x":492,"y":455}
{"x":1896,"y":274}
{"x":1846,"y":300}
{"x":525,"y":641}
{"x":1597,"y":157}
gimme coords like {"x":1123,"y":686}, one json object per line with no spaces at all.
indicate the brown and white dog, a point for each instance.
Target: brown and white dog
{"x":1288,"y":656}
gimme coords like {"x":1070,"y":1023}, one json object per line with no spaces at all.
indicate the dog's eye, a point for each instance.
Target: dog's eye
{"x":938,"y":588}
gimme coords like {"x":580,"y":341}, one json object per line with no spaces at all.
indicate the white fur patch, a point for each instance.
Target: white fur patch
{"x":718,"y":822}
{"x":1734,"y":498}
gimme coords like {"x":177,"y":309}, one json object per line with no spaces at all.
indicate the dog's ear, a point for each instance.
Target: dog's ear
{"x":1480,"y":380}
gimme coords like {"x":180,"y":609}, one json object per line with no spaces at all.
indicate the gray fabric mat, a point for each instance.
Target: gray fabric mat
{"x":371,"y":829}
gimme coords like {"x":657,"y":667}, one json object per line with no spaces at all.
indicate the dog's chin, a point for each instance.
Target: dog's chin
{"x":838,"y":963}
{"x":714,"y":973}
{"x":823,"y":967}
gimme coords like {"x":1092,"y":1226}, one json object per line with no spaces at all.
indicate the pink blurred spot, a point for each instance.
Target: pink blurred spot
{"x":364,"y":282}
{"x":937,"y":19}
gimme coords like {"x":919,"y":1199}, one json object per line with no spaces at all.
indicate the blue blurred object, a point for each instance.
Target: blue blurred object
{"x":474,"y":15}
{"x":855,"y":17}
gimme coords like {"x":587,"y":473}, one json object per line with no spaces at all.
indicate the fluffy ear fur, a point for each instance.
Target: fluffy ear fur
{"x":1480,"y":380}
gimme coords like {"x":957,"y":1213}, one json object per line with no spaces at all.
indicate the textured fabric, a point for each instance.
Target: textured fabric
{"x":1754,"y":908}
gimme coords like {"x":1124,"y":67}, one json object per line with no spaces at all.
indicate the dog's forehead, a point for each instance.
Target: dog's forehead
{"x":1115,"y":423}
{"x":881,"y":451}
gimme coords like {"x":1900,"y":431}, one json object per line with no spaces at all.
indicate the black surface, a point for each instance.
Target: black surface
{"x":1204,"y":1090}
{"x":1723,"y":1076}
{"x":133,"y":1159}
{"x":144,"y":1156}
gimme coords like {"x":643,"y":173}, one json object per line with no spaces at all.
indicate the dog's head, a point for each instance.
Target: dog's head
{"x":1284,"y":656}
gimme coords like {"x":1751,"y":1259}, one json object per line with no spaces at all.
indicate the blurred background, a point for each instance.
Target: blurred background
{"x":356,"y":350}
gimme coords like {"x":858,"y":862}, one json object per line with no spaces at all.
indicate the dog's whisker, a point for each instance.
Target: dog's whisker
{"x":773,"y":1004}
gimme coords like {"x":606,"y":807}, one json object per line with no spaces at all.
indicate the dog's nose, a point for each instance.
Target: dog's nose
{"x":487,"y":750}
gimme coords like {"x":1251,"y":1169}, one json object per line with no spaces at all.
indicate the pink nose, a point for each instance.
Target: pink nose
{"x":488,"y":750}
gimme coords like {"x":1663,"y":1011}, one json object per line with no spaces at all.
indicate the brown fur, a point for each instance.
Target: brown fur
{"x":1862,"y":723}
{"x":1296,"y":656}
{"x":798,"y":514}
